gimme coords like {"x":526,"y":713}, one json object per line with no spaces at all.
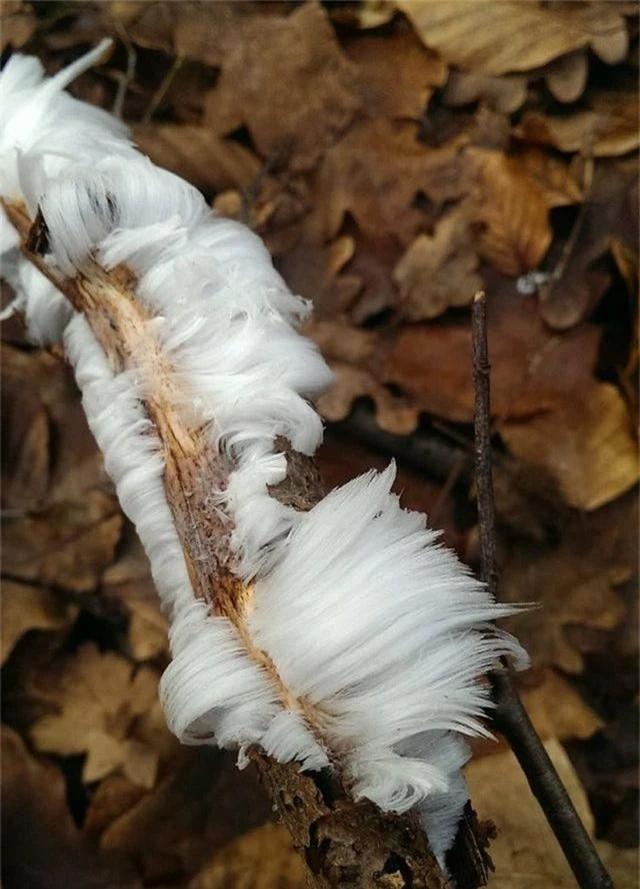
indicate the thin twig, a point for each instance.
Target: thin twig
{"x":511,"y":718}
{"x":162,"y":90}
{"x":126,"y":79}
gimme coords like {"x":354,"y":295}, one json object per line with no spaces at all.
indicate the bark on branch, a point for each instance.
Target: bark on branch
{"x":343,"y":842}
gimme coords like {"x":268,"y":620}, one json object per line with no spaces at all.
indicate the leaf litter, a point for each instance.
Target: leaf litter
{"x":396,"y":158}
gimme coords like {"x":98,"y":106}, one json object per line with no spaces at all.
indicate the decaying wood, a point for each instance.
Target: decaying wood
{"x":344,"y":843}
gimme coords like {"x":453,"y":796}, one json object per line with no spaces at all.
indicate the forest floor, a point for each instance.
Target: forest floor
{"x":396,"y":158}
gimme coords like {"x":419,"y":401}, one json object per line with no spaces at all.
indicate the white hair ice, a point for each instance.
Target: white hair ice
{"x":367,"y":619}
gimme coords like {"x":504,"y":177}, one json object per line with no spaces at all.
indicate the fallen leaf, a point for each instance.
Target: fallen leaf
{"x":263,"y":858}
{"x":514,"y":214}
{"x":196,"y":154}
{"x":567,"y":76}
{"x":370,"y":264}
{"x":98,"y":698}
{"x":314,"y":271}
{"x":505,"y":94}
{"x":375,"y":173}
{"x":26,"y":608}
{"x":530,"y":367}
{"x":551,"y":174}
{"x":18,"y":23}
{"x":397,"y":75}
{"x":439,"y":271}
{"x":557,"y":710}
{"x":584,"y":441}
{"x":608,"y":128}
{"x":525,"y":852}
{"x":287,"y":79}
{"x":203,"y":804}
{"x":514,"y":36}
{"x":352,"y":354}
{"x":42,"y":848}
{"x":64,"y":462}
{"x":574,"y":582}
{"x":365,"y":15}
{"x":610,"y":211}
{"x":622,"y":864}
{"x":127,"y":585}
{"x":67,"y":544}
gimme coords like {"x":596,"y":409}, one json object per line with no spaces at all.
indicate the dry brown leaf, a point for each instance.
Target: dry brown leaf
{"x":585,"y":441}
{"x":198,"y":155}
{"x":439,"y":271}
{"x":622,"y":864}
{"x":18,"y":23}
{"x":557,"y":710}
{"x":67,"y":545}
{"x":397,"y":75}
{"x":610,"y":211}
{"x":26,"y":608}
{"x":370,"y":265}
{"x":37,"y":387}
{"x":609,"y":128}
{"x":203,"y":804}
{"x":41,"y":846}
{"x":287,"y":79}
{"x":513,"y":211}
{"x":375,"y":173}
{"x":264,"y":858}
{"x":505,"y":94}
{"x":574,"y":584}
{"x":314,"y":271}
{"x":496,"y":38}
{"x":551,"y":174}
{"x":350,"y":353}
{"x":525,"y":853}
{"x":98,"y":698}
{"x":148,"y":630}
{"x":530,"y":367}
{"x":127,"y":585}
{"x":567,"y":76}
{"x":365,"y":14}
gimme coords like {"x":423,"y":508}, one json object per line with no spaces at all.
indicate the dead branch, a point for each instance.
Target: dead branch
{"x":511,"y":718}
{"x":343,"y":842}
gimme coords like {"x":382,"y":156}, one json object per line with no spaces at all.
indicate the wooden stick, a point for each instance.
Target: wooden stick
{"x":344,"y":843}
{"x":511,"y":718}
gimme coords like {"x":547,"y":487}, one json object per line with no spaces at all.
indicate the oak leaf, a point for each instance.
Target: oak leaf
{"x":397,"y":75}
{"x":353,"y":356}
{"x":514,"y":214}
{"x":375,"y":173}
{"x":196,"y":154}
{"x":557,"y":710}
{"x":608,"y":128}
{"x":497,"y":38}
{"x":609,"y":213}
{"x":287,"y":80}
{"x":42,"y":847}
{"x":506,"y":93}
{"x":525,"y":852}
{"x":66,"y":544}
{"x":439,"y":271}
{"x":585,"y":440}
{"x":26,"y":608}
{"x":97,"y":698}
{"x":566,"y":77}
{"x":574,"y":582}
{"x":202,"y":804}
{"x":263,"y":858}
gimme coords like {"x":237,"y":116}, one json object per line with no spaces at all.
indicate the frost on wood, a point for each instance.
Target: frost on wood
{"x":336,"y":634}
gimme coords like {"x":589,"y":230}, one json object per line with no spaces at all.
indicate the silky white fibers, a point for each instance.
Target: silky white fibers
{"x":363,"y":615}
